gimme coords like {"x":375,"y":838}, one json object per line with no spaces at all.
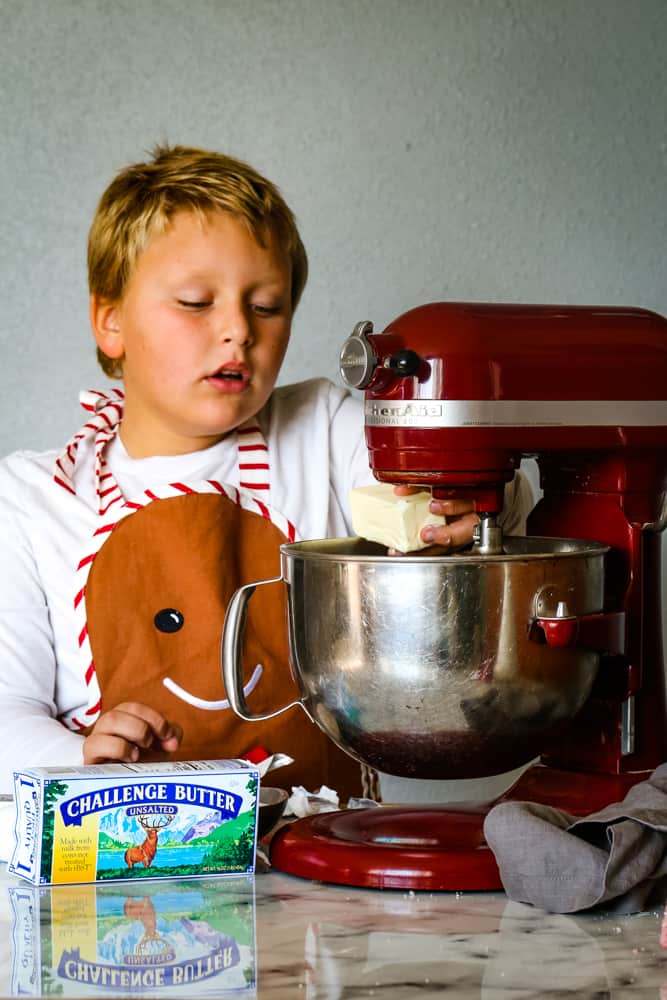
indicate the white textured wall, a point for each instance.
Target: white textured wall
{"x":498,"y":149}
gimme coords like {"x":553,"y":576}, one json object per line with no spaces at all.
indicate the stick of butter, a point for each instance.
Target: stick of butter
{"x":380,"y":515}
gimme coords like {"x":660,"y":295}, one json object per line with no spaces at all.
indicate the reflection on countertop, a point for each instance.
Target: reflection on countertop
{"x":179,"y":937}
{"x":279,"y":937}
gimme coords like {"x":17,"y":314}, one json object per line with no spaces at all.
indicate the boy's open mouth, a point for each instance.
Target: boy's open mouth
{"x":232,"y":375}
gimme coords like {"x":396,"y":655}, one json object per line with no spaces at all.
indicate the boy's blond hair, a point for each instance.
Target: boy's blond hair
{"x":142,"y":199}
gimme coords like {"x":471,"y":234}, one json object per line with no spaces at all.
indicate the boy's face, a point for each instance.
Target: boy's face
{"x":202,"y":330}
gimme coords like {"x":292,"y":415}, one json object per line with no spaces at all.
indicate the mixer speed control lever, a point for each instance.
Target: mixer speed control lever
{"x":404,"y":363}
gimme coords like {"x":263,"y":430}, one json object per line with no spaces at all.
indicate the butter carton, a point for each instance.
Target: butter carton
{"x":181,"y":938}
{"x":132,"y":821}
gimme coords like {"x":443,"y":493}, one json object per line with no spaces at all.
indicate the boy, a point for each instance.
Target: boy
{"x":121,"y":552}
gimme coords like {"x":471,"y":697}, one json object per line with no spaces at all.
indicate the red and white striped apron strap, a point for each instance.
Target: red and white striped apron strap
{"x":254,"y":470}
{"x":106,"y":410}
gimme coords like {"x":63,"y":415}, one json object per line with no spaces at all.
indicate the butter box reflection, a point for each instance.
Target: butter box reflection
{"x":183,"y":938}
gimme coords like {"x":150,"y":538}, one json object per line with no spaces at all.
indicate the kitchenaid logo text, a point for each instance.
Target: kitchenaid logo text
{"x":179,"y":793}
{"x":515,"y":413}
{"x":398,"y":411}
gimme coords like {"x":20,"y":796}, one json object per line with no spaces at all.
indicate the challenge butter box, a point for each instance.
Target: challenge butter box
{"x":181,"y":938}
{"x":132,"y":821}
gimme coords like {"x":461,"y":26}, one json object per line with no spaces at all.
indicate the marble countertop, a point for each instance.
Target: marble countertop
{"x":276,"y":937}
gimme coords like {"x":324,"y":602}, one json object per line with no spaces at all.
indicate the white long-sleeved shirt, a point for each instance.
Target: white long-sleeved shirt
{"x":317,"y":453}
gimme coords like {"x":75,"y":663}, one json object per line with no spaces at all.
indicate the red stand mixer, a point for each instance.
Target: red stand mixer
{"x":456,"y":394}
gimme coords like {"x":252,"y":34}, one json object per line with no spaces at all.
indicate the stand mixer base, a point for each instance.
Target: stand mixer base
{"x":391,"y":847}
{"x":431,"y":847}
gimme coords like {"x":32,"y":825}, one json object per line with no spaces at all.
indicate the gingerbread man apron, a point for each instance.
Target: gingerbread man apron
{"x":151,"y":597}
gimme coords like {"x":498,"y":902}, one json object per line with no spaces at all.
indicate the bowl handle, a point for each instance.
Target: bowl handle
{"x":232,"y":660}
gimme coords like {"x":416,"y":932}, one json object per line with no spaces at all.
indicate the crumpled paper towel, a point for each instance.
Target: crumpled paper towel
{"x":615,"y":858}
{"x":304,"y":803}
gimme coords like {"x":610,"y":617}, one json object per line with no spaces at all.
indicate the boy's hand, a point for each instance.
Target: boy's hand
{"x":461,"y":520}
{"x":123,"y":732}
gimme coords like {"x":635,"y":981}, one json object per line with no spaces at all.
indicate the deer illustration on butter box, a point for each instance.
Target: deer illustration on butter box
{"x":145,"y":852}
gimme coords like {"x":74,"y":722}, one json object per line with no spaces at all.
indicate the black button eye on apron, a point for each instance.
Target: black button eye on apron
{"x":169,"y":620}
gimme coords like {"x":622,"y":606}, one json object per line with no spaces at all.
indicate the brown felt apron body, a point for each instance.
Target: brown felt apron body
{"x":188,"y":554}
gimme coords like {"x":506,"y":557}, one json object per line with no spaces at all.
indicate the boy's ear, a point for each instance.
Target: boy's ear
{"x":104,"y":320}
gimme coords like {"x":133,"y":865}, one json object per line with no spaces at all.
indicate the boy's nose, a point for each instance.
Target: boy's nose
{"x":236,"y":329}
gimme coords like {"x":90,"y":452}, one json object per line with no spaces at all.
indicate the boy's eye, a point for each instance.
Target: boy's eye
{"x":193,"y":304}
{"x":264,"y":310}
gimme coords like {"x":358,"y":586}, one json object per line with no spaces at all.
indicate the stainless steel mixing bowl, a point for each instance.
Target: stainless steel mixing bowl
{"x":429,"y":666}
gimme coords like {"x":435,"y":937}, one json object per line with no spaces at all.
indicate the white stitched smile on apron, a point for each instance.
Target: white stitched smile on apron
{"x":203,"y":703}
{"x":106,"y":410}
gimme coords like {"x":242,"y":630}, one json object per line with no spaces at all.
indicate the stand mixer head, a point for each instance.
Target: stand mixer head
{"x":456,"y":394}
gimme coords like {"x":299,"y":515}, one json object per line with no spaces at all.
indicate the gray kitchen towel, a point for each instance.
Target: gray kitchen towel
{"x":615,"y":858}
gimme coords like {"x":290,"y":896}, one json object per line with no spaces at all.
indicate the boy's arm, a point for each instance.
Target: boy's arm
{"x":31,"y":735}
